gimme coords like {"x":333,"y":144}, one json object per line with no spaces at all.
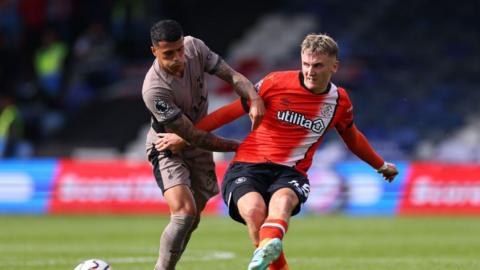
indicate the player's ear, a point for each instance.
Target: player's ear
{"x":154,"y":50}
{"x":335,"y":66}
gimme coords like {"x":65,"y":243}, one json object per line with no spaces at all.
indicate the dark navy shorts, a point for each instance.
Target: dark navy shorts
{"x":264,"y":178}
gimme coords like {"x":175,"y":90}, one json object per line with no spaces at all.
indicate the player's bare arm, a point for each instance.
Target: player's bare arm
{"x":184,"y":128}
{"x":244,"y":88}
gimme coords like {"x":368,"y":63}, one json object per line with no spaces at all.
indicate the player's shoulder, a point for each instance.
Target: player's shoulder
{"x":193,"y":45}
{"x":341,"y":91}
{"x":190,"y":41}
{"x":154,"y":82}
{"x":344,"y":98}
{"x":283,"y":75}
{"x":278,"y":78}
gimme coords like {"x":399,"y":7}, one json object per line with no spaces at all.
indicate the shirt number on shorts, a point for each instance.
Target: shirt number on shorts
{"x":304,"y":189}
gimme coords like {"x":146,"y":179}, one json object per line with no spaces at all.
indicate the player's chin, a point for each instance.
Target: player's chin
{"x":311,"y":85}
{"x":177,"y":67}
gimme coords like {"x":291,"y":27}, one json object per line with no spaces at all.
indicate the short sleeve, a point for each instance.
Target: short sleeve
{"x":210,"y":59}
{"x":346,"y":112}
{"x":161,"y":106}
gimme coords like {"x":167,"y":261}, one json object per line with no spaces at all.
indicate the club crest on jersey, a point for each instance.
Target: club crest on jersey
{"x":299,"y":119}
{"x":327,"y":110}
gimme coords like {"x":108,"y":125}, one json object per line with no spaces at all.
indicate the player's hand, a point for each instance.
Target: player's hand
{"x":170,"y":141}
{"x":257,"y":111}
{"x":388,"y":171}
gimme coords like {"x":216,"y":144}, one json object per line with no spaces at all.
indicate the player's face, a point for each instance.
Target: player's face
{"x":317,"y":69}
{"x":170,"y":56}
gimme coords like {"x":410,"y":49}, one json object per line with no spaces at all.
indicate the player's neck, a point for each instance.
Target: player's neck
{"x":321,"y":90}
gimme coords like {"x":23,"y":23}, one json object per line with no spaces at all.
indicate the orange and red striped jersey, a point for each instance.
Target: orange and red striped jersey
{"x":295,"y":122}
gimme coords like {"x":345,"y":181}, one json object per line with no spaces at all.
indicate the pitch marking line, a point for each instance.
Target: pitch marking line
{"x":209,"y":256}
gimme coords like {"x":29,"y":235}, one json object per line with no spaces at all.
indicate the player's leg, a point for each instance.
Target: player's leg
{"x":172,"y":177}
{"x":253,"y":210}
{"x":288,"y":192}
{"x":200,"y":203}
{"x":243,"y":190}
{"x":281,"y":205}
{"x":273,"y":230}
{"x":183,"y":217}
{"x":204,"y":185}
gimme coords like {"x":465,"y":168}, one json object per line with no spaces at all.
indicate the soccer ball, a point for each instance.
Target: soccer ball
{"x":93,"y":264}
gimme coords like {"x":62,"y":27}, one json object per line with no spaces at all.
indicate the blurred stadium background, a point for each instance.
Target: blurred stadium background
{"x":73,"y":125}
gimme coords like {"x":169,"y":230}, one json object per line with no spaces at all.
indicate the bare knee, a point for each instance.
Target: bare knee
{"x":282,"y":204}
{"x":252,"y":208}
{"x":180,"y":201}
{"x":186,"y":208}
{"x":255,"y":214}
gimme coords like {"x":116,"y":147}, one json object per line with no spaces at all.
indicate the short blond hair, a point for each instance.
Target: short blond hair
{"x":320,"y":43}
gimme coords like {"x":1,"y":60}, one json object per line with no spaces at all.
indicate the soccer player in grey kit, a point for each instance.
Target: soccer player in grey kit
{"x":175,"y":93}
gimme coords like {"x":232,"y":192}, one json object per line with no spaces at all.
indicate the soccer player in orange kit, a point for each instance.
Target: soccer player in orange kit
{"x":266,"y":182}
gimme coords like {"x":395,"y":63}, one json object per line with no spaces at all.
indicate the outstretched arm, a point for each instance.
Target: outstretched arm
{"x":359,"y":145}
{"x":221,"y":116}
{"x":214,"y":120}
{"x":184,"y":128}
{"x":244,"y":88}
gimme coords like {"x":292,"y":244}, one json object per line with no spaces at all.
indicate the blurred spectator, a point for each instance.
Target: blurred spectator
{"x":12,"y":142}
{"x":94,"y":64}
{"x":49,"y":65}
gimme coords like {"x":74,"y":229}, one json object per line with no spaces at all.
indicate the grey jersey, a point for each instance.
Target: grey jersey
{"x":167,"y":96}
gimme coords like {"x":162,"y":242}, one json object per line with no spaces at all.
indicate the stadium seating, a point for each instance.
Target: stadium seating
{"x":410,"y":68}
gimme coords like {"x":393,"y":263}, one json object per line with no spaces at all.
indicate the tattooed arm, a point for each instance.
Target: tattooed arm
{"x":244,"y":88}
{"x":208,"y":141}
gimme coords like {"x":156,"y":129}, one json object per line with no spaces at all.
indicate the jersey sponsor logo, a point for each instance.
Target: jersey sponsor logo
{"x":299,"y":119}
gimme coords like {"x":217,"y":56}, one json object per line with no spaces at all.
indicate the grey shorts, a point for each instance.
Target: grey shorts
{"x":197,"y":172}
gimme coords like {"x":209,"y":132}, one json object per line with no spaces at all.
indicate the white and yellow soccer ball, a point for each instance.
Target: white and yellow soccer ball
{"x":93,"y":264}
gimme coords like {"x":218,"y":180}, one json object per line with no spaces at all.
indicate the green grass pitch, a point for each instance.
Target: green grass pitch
{"x":313,"y":242}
